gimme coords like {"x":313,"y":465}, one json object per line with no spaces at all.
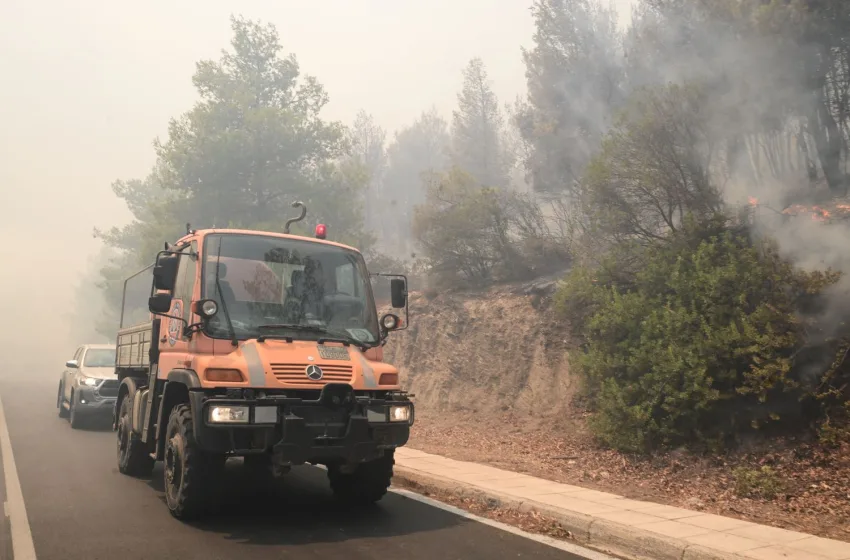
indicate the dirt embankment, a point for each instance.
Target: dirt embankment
{"x":492,"y":382}
{"x":485,"y":354}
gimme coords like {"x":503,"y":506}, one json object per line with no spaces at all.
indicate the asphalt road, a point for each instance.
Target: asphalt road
{"x":80,"y":507}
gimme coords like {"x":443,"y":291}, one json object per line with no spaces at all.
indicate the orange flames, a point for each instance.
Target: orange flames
{"x":817,"y":213}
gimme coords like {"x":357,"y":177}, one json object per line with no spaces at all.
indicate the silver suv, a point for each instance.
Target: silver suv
{"x":88,"y":385}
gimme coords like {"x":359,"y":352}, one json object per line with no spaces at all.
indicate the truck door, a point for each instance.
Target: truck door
{"x":173,"y":345}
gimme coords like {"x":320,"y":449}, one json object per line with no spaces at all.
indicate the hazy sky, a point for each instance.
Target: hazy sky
{"x":89,"y":84}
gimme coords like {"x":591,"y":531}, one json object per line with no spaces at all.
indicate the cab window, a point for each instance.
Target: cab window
{"x":185,"y":282}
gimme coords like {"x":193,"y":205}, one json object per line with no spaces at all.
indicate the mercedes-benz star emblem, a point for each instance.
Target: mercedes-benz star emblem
{"x":314,"y":372}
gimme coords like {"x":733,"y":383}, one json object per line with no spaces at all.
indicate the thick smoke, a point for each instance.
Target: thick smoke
{"x":763,"y":119}
{"x":760,"y":139}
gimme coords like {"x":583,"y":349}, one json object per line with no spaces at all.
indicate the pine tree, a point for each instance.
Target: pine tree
{"x":478,"y":129}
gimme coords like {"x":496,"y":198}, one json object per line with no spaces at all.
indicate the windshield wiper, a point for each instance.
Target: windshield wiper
{"x":293,"y":326}
{"x":334,"y":336}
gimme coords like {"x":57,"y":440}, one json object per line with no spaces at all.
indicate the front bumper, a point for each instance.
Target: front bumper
{"x":297,"y":431}
{"x":89,"y":400}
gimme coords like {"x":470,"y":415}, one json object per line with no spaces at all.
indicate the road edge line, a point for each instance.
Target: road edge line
{"x":610,"y":538}
{"x":23,"y":547}
{"x":566,"y":546}
{"x":559,"y":544}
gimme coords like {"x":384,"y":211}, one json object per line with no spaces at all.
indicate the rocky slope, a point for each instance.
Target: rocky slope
{"x":485,"y":353}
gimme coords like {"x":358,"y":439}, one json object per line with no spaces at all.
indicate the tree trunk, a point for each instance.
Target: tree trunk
{"x":824,"y":130}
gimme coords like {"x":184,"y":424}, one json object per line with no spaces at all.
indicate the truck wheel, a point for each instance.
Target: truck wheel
{"x":133,"y":458}
{"x":74,"y":416}
{"x":367,"y":484}
{"x":60,"y":402}
{"x":189,"y":473}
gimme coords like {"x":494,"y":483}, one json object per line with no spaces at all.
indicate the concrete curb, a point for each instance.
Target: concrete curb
{"x":593,"y":532}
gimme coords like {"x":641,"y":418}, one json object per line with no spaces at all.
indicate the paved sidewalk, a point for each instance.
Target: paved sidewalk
{"x":611,"y":523}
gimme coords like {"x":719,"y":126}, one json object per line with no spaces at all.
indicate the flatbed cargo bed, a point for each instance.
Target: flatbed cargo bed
{"x":133,"y":346}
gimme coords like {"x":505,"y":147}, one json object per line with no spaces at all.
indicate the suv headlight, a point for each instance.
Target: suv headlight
{"x":88,"y":381}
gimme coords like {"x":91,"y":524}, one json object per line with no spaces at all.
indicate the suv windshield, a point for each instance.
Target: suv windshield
{"x":99,"y":357}
{"x":273,"y":286}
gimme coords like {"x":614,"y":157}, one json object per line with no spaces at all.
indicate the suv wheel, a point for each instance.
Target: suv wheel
{"x":60,"y":402}
{"x":74,"y":415}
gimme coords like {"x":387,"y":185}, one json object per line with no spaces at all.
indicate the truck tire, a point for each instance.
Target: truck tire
{"x":189,"y":473}
{"x":367,"y":484}
{"x":133,"y":457}
{"x":73,"y":416}
{"x":60,"y":402}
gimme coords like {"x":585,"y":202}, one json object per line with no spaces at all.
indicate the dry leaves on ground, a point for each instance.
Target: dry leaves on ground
{"x":529,"y":521}
{"x":813,"y":490}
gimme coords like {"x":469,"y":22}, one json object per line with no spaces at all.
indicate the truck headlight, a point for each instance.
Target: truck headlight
{"x":229,"y":414}
{"x":399,"y":413}
{"x":88,"y":381}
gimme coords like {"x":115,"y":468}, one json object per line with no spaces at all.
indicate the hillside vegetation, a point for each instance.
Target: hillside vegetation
{"x":490,"y":371}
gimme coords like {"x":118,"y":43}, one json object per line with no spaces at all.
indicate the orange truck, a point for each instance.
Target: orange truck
{"x":264,"y":346}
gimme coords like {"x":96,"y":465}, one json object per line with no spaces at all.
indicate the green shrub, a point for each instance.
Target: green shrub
{"x":696,"y":345}
{"x":761,"y":483}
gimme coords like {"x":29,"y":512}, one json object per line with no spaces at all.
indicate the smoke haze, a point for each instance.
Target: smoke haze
{"x":89,"y":85}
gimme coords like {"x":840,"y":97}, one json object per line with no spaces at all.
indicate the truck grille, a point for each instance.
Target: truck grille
{"x":296,"y":374}
{"x":109,"y":388}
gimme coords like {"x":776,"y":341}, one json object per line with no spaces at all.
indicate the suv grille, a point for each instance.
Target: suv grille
{"x":296,"y":374}
{"x":109,"y":388}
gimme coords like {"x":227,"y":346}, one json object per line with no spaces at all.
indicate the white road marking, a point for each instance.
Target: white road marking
{"x":554,"y":543}
{"x":23,"y":547}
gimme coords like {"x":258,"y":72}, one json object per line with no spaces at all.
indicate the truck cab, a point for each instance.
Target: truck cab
{"x":260,"y":345}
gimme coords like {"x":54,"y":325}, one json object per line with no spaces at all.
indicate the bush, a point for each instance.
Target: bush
{"x":698,"y":345}
{"x":653,"y":168}
{"x":761,"y":483}
{"x":473,"y":235}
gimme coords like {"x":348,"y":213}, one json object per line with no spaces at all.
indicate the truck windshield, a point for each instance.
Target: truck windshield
{"x":266,"y":283}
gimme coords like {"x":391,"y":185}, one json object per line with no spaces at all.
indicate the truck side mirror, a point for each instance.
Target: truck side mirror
{"x":398,"y":292}
{"x":159,"y":303}
{"x":72,"y":364}
{"x":165,"y":272}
